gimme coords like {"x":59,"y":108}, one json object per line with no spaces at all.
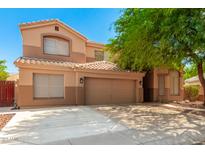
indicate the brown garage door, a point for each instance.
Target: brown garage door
{"x":109,"y":91}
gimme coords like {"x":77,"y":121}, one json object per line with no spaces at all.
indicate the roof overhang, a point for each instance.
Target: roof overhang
{"x":95,"y":44}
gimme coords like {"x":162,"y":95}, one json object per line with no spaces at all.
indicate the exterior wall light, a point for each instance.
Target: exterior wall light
{"x":81,"y":80}
{"x":140,"y":82}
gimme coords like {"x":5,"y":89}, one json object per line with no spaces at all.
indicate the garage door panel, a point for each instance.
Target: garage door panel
{"x":109,"y":91}
{"x":123,"y":91}
{"x":97,"y":91}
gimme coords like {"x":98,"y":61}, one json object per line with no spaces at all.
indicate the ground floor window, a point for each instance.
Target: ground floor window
{"x":48,"y":86}
{"x":161,"y":84}
{"x":174,"y":83}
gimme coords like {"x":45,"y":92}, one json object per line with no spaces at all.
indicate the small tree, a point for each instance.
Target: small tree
{"x":147,"y":38}
{"x":191,"y":92}
{"x":3,"y":73}
{"x":191,"y":70}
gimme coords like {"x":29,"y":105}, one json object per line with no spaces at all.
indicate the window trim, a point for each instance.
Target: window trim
{"x":178,"y":84}
{"x":58,"y":36}
{"x":46,"y":98}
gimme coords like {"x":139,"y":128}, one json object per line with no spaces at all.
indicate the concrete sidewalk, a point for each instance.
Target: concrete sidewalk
{"x":6,"y":110}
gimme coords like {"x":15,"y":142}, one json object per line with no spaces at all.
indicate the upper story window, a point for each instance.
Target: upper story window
{"x":99,"y":55}
{"x":56,"y":46}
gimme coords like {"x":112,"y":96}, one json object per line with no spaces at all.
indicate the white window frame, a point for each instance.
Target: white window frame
{"x":48,"y":86}
{"x":55,"y":47}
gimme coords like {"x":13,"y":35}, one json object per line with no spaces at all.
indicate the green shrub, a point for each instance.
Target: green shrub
{"x":191,"y":92}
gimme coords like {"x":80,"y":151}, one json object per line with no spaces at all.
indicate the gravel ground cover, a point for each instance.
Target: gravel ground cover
{"x":4,"y":119}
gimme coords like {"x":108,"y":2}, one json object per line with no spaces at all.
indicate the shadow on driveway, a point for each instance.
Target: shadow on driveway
{"x":156,"y":124}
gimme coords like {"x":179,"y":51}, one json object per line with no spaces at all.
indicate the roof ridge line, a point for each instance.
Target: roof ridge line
{"x":50,"y":60}
{"x":98,"y":65}
{"x":53,"y":20}
{"x":38,"y":21}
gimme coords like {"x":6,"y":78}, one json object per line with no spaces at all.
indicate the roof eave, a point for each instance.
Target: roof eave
{"x":95,"y":44}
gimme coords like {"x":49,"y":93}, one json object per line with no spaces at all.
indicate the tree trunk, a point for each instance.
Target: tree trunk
{"x":201,"y":77}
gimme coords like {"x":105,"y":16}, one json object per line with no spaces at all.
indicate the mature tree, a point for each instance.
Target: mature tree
{"x":3,"y":73}
{"x":147,"y":38}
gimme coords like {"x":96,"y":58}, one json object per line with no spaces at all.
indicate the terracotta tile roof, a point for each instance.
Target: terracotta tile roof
{"x":13,"y":77}
{"x":193,"y":79}
{"x":93,"y":42}
{"x":38,"y":22}
{"x":98,"y":65}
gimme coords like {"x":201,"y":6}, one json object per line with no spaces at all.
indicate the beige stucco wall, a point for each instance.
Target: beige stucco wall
{"x":25,"y":88}
{"x":26,"y":76}
{"x":32,"y":37}
{"x":80,"y":50}
{"x":74,"y":90}
{"x":90,"y":52}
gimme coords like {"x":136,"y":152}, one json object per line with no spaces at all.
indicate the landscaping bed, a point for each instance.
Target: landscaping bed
{"x":4,"y":119}
{"x":194,"y":104}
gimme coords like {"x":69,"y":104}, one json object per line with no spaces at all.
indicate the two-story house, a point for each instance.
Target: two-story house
{"x":60,"y":66}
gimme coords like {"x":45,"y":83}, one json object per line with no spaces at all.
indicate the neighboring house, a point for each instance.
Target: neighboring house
{"x":60,"y":66}
{"x":195,"y":81}
{"x":13,"y":77}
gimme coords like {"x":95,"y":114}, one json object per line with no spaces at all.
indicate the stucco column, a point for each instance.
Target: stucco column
{"x":139,"y":91}
{"x":25,"y":87}
{"x":79,"y":90}
{"x":76,"y":88}
{"x":167,"y":86}
{"x":181,"y":80}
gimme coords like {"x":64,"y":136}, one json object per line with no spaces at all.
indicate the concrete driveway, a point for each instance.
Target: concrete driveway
{"x":62,"y":125}
{"x":139,"y":124}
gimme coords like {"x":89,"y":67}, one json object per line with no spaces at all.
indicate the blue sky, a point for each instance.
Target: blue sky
{"x":95,"y":24}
